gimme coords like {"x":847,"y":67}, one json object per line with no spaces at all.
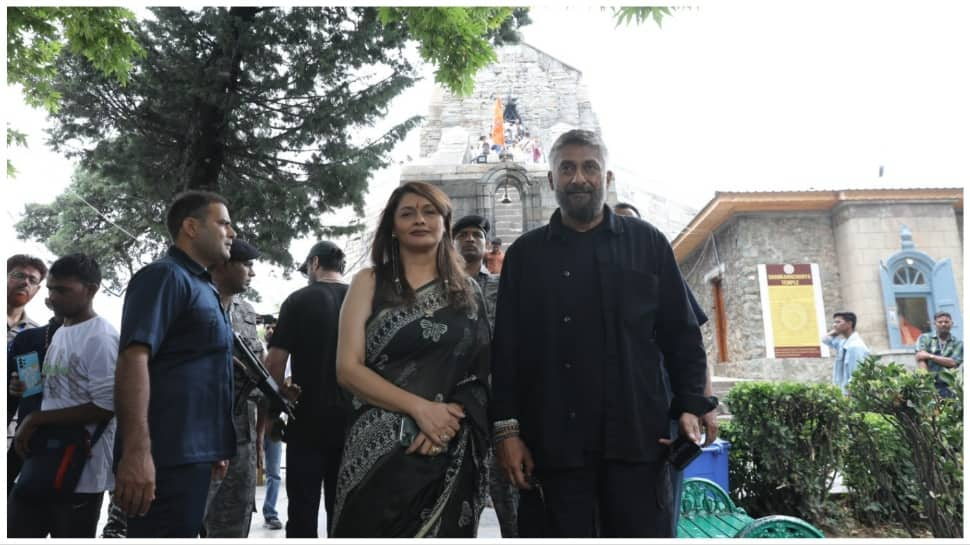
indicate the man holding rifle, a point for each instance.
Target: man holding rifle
{"x":231,"y":500}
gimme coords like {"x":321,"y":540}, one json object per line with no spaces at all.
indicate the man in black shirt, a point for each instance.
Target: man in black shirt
{"x":307,"y":333}
{"x":590,"y":307}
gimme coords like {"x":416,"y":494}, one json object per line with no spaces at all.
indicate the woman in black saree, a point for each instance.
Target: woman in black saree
{"x":414,"y":350}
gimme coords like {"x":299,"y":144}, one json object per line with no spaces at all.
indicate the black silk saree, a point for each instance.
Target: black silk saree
{"x":440,"y":353}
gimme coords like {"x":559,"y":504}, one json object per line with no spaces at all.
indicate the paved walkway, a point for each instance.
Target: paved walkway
{"x":487,"y":528}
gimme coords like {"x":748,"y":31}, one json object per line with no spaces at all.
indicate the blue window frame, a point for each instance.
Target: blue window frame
{"x":914,"y":288}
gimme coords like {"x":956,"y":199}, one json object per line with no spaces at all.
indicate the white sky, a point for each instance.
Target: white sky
{"x":745,"y":96}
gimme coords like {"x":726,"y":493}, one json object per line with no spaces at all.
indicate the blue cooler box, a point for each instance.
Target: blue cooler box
{"x":712,"y":464}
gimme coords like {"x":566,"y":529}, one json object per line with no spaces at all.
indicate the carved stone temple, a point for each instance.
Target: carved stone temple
{"x":542,"y":97}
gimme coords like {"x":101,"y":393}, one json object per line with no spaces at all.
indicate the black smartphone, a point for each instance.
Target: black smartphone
{"x":682,"y":452}
{"x":408,"y":431}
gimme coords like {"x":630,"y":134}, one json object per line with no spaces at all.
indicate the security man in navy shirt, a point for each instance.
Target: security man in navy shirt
{"x":586,"y":307}
{"x":173,"y":385}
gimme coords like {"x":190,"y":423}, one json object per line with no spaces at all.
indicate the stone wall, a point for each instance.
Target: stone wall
{"x":812,"y":370}
{"x":667,"y":215}
{"x":472,"y":189}
{"x":740,"y":246}
{"x":696,"y":270}
{"x":958,"y":214}
{"x":867,"y":233}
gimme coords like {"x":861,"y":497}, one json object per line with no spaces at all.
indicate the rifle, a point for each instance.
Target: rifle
{"x":257,"y":376}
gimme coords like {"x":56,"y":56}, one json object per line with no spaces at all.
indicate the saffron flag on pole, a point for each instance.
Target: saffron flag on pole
{"x":498,"y":125}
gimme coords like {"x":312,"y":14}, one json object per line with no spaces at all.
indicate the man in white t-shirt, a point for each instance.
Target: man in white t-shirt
{"x":79,"y":371}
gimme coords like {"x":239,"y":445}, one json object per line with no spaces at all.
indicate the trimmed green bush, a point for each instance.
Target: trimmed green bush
{"x":788,"y":440}
{"x":930,"y":428}
{"x":879,"y":472}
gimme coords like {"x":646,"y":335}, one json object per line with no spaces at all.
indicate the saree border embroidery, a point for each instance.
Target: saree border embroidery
{"x":430,"y":527}
{"x":370,"y":438}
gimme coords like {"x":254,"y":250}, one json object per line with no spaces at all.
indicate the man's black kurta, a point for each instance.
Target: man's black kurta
{"x":644,"y":311}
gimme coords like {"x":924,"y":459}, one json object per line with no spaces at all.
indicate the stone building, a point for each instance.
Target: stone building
{"x":892,"y":256}
{"x":512,"y":189}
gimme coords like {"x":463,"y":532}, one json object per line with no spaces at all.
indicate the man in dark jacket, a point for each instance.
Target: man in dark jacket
{"x":588,"y":308}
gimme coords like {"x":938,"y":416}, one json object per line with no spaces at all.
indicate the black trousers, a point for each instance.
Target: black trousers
{"x":179,"y":505}
{"x":606,"y":499}
{"x":14,"y":464}
{"x":77,"y":518}
{"x":308,"y":467}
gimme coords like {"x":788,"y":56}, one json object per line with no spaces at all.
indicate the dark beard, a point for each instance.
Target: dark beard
{"x":581,"y":213}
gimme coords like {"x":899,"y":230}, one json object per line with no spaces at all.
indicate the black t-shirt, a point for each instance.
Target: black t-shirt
{"x":307,"y":329}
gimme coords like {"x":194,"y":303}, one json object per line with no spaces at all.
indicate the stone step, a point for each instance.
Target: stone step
{"x":721,"y":387}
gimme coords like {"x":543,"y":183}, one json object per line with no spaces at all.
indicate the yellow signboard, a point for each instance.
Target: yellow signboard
{"x":791,"y":298}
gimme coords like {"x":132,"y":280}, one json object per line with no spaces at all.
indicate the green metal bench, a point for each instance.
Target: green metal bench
{"x":706,"y":511}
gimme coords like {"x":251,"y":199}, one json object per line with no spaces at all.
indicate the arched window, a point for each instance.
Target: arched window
{"x":915,"y":287}
{"x":908,"y":275}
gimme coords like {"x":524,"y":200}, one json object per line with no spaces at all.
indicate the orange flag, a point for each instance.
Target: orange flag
{"x":498,"y":125}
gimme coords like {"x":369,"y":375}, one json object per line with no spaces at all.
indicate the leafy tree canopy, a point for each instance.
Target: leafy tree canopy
{"x":264,"y":105}
{"x":641,"y":14}
{"x":458,"y":40}
{"x":37,"y":35}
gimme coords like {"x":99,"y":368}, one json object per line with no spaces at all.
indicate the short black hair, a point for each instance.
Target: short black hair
{"x":334,"y":261}
{"x":24,"y":260}
{"x":942,"y":313}
{"x":629,"y":207}
{"x":497,"y":241}
{"x":190,"y":204}
{"x":847,"y":316}
{"x":83,"y":267}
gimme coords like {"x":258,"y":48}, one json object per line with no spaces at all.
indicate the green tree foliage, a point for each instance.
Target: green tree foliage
{"x":788,"y":440}
{"x":68,"y":224}
{"x":37,"y":35}
{"x":930,"y":428}
{"x":458,"y":40}
{"x":640,"y":15}
{"x":879,"y":473}
{"x":14,"y":138}
{"x":260,"y":104}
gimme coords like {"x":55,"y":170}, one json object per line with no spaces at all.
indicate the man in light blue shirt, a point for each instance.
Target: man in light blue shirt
{"x":849,"y":347}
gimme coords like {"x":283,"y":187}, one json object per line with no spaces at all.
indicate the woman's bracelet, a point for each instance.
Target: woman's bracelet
{"x":504,"y":429}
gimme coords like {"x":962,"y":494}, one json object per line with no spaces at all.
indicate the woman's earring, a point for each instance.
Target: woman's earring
{"x":394,"y":266}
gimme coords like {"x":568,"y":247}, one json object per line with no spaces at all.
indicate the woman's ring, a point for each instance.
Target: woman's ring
{"x":434,"y":451}
{"x":445,"y":438}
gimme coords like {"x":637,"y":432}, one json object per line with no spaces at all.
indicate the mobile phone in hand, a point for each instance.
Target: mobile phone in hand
{"x":408,"y":431}
{"x":682,"y":452}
